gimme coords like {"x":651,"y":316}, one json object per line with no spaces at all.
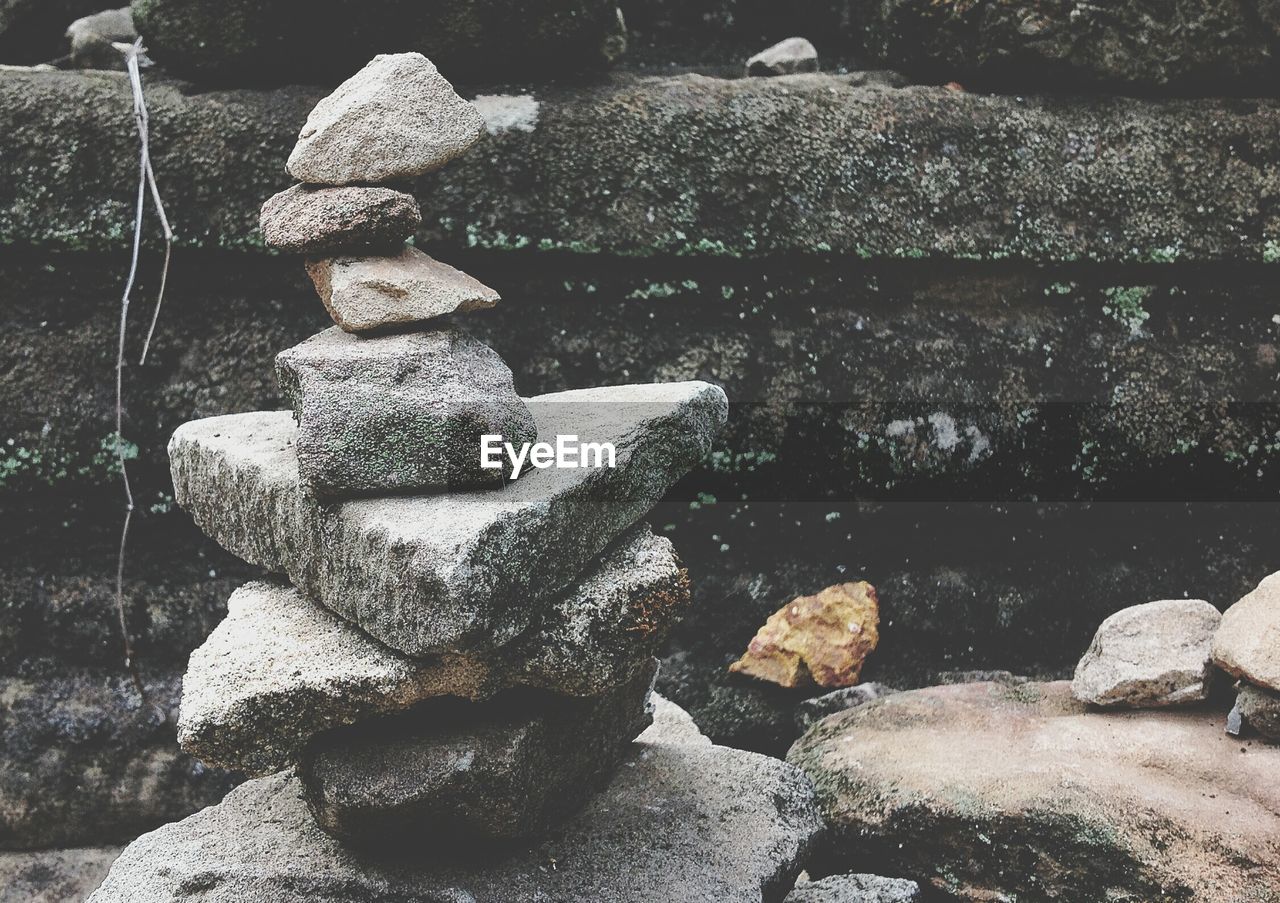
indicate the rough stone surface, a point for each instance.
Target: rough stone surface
{"x":397,"y":413}
{"x":1206,"y":46}
{"x":1260,"y":710}
{"x":785,"y":58}
{"x":392,"y":121}
{"x":856,"y":889}
{"x":992,"y":791}
{"x":1155,"y":654}
{"x":54,"y":876}
{"x":1247,"y":643}
{"x":457,"y":771}
{"x":428,"y":574}
{"x":279,"y":41}
{"x":811,"y":711}
{"x":368,"y":294}
{"x":308,"y":220}
{"x":822,"y":639}
{"x":86,"y":762}
{"x":885,"y":174}
{"x":92,"y":37}
{"x":672,"y":725}
{"x":680,"y":821}
{"x":281,"y":668}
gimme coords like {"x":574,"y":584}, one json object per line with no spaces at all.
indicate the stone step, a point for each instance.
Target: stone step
{"x":282,"y":668}
{"x":682,"y":820}
{"x":457,"y":772}
{"x":460,"y":572}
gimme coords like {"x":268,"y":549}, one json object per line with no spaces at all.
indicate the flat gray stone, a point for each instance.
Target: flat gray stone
{"x":1247,"y":644}
{"x":459,"y":771}
{"x":281,"y":669}
{"x":672,"y":725}
{"x":811,"y":711}
{"x":679,"y":821}
{"x":53,"y":876}
{"x":368,"y":294}
{"x":396,"y":413}
{"x":856,"y":889}
{"x":1260,"y":710}
{"x":459,"y":572}
{"x":1150,"y":655}
{"x":785,"y":58}
{"x":392,"y":121}
{"x":305,"y":219}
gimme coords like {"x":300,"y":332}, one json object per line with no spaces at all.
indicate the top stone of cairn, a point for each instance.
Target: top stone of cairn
{"x":394,"y":120}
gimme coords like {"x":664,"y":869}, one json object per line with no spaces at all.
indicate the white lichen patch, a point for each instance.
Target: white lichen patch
{"x":507,"y":112}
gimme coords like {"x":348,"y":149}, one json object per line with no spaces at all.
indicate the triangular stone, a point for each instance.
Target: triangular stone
{"x":392,"y":121}
{"x":681,"y":820}
{"x":281,"y":669}
{"x":435,"y":573}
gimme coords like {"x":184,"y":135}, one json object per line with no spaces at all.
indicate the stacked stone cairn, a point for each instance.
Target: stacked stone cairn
{"x":448,"y":658}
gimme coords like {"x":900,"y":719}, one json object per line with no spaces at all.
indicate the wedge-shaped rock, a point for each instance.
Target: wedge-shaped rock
{"x":372,"y":294}
{"x":1247,"y":643}
{"x":457,"y":771}
{"x":281,"y":669}
{"x":392,"y":121}
{"x":305,"y":219}
{"x":679,"y":821}
{"x":458,"y":572}
{"x":397,"y":413}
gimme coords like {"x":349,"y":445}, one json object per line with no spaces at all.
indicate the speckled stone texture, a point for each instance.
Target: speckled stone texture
{"x":681,"y":820}
{"x":1260,"y":710}
{"x":281,"y":668}
{"x":392,"y":414}
{"x":394,"y":120}
{"x":457,"y":771}
{"x":458,"y":572}
{"x":1247,"y":643}
{"x":856,"y":889}
{"x":305,"y":219}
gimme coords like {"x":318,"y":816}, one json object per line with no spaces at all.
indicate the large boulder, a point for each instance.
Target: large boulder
{"x":292,"y":41}
{"x":682,"y":820}
{"x":464,"y":571}
{"x":992,"y":791}
{"x":392,"y":414}
{"x":1247,"y":643}
{"x":1155,"y":654}
{"x":281,"y":669}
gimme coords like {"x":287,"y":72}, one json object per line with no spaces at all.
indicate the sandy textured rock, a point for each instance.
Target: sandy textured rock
{"x":672,"y":725}
{"x":785,"y":58}
{"x":1260,"y":710}
{"x":811,"y":711}
{"x":822,"y":639}
{"x":976,"y":787}
{"x":856,"y":889}
{"x":1150,"y":655}
{"x":428,"y":574}
{"x":307,"y":220}
{"x":391,"y":414}
{"x":54,"y":876}
{"x":367,"y":294}
{"x":92,"y":38}
{"x":1247,"y":643}
{"x":456,"y":771}
{"x":394,"y":120}
{"x":680,"y":821}
{"x":281,"y":668}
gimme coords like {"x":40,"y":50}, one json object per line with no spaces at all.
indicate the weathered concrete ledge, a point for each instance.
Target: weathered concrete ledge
{"x":691,"y":165}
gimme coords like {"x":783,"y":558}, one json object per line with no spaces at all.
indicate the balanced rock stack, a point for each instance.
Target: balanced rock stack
{"x":456,"y":657}
{"x":1247,"y":646}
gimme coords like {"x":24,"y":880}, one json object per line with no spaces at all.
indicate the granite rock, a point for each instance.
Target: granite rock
{"x":856,"y":889}
{"x":1260,"y":710}
{"x":1247,"y":644}
{"x":1150,"y":655}
{"x":305,"y":219}
{"x":679,"y":821}
{"x":92,"y":38}
{"x":811,"y":711}
{"x":281,"y":669}
{"x":394,"y":120}
{"x":976,"y":787}
{"x":53,"y":876}
{"x":397,"y":413}
{"x":455,"y":771}
{"x":457,"y":572}
{"x":368,"y":294}
{"x":785,"y":58}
